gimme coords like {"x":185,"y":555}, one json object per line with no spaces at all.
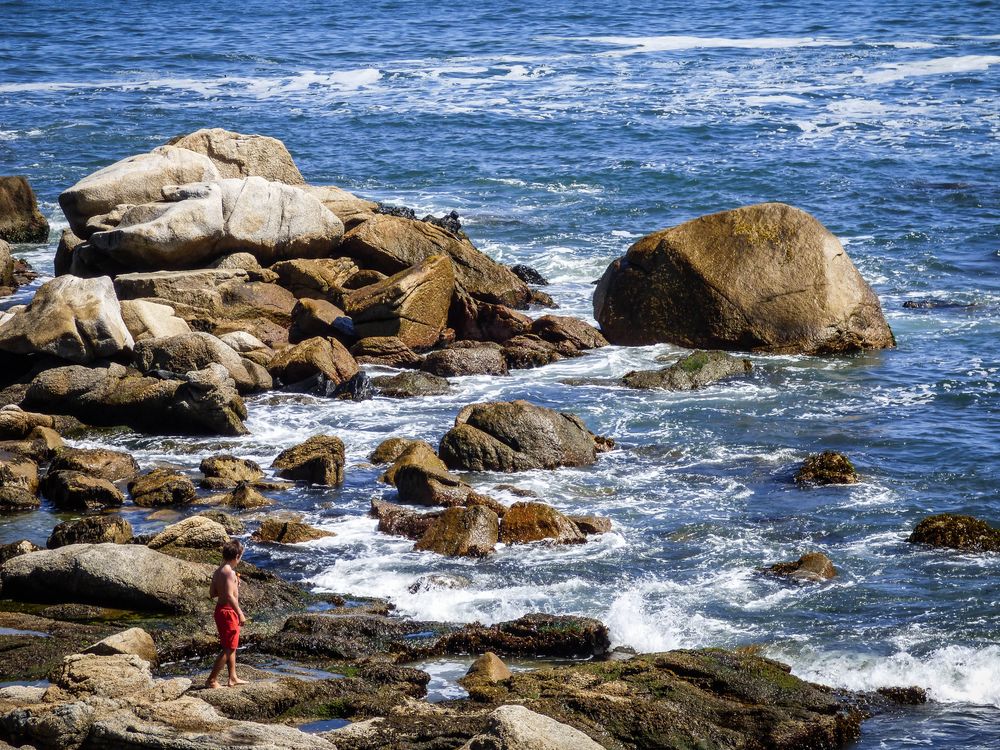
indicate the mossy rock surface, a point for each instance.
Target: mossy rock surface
{"x":957,"y":532}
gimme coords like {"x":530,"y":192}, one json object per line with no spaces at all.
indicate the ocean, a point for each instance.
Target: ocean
{"x":561,"y":134}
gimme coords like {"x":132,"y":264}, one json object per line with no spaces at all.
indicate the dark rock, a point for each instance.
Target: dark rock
{"x":536,"y":635}
{"x":529,"y":351}
{"x":591,"y":524}
{"x":935,"y":304}
{"x":354,"y":636}
{"x":811,"y":567}
{"x":568,"y":334}
{"x":20,"y":219}
{"x":402,"y":212}
{"x":74,"y":490}
{"x":91,"y":530}
{"x":102,"y":463}
{"x":288,"y":532}
{"x":532,"y":522}
{"x":422,"y":485}
{"x":16,"y":499}
{"x":828,"y":467}
{"x":904,"y":696}
{"x":385,"y":350}
{"x":229,"y":471}
{"x":462,"y":532}
{"x":399,"y":521}
{"x":767,"y":277}
{"x":410,"y":385}
{"x":476,"y":320}
{"x":529,"y":275}
{"x":12,"y":550}
{"x":695,"y":370}
{"x":319,"y":460}
{"x":161,"y":487}
{"x":315,"y":356}
{"x":479,"y":360}
{"x":959,"y":532}
{"x":517,"y":436}
{"x":436,"y":581}
{"x":449,"y":222}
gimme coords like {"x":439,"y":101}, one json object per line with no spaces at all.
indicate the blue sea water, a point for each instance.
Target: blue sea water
{"x":561,"y":133}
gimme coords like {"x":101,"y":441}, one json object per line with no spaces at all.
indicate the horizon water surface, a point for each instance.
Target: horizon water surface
{"x":561,"y":135}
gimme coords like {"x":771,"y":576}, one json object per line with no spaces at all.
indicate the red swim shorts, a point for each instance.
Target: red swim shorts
{"x":228,"y":623}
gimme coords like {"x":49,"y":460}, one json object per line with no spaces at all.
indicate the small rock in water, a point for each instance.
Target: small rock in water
{"x":696,"y":370}
{"x":489,"y":667}
{"x":529,"y":275}
{"x":812,"y":567}
{"x":904,"y":696}
{"x":92,"y":530}
{"x":828,"y":467}
{"x":161,"y":487}
{"x":288,"y":532}
{"x":956,"y":532}
{"x":436,"y":581}
{"x":319,"y":460}
{"x":411,"y":385}
{"x":935,"y":304}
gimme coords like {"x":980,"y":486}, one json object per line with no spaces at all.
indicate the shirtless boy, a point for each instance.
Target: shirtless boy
{"x":228,"y":615}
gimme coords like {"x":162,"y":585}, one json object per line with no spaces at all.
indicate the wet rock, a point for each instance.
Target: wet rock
{"x":228,"y":471}
{"x":481,"y":321}
{"x":529,"y":351}
{"x":532,"y":522}
{"x":203,"y":402}
{"x":399,"y":521}
{"x":150,"y":320}
{"x":196,"y":532}
{"x":230,"y":523}
{"x":519,"y":728}
{"x":517,"y":436}
{"x":385,"y":350}
{"x":135,"y":641}
{"x":74,"y":490}
{"x":244,"y":496}
{"x":195,"y":223}
{"x":20,"y":219}
{"x":411,"y":385}
{"x":568,"y":334}
{"x":411,"y":305}
{"x":456,"y":361}
{"x":828,"y":467}
{"x":904,"y":696}
{"x":935,"y":304}
{"x":389,"y":450}
{"x":6,"y":271}
{"x":767,"y":277}
{"x":811,"y":567}
{"x":529,"y":275}
{"x":390,"y":244}
{"x":14,"y":549}
{"x":536,"y":635}
{"x":591,"y":524}
{"x":415,"y":453}
{"x":102,"y":463}
{"x":312,"y":357}
{"x":16,"y":499}
{"x":161,"y":487}
{"x":354,"y":637}
{"x":319,"y":460}
{"x":695,"y":370}
{"x":436,"y":581}
{"x":239,"y":155}
{"x":952,"y":531}
{"x":196,"y":351}
{"x":91,"y":530}
{"x":317,"y":317}
{"x":133,"y":181}
{"x":426,"y":485}
{"x":288,"y":532}
{"x":71,"y":318}
{"x":318,"y":278}
{"x":489,"y":668}
{"x":461,"y":532}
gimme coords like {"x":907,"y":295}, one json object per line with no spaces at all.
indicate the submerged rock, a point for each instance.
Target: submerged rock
{"x":811,"y":567}
{"x":20,"y":219}
{"x":953,"y":531}
{"x":828,"y":467}
{"x":695,"y":370}
{"x":767,"y":277}
{"x":319,"y":460}
{"x":518,"y":436}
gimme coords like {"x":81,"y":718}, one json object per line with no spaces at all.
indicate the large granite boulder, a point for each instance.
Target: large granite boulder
{"x":462,"y":532}
{"x":196,"y":351}
{"x":517,"y":436}
{"x":411,"y":305}
{"x":132,"y":181}
{"x":151,"y":320}
{"x":532,"y":522}
{"x":311,"y":358}
{"x":391,"y":244}
{"x":767,"y":277}
{"x":91,"y":530}
{"x":72,"y":318}
{"x":347,"y":207}
{"x":20,"y":219}
{"x":199,"y":222}
{"x":319,"y":460}
{"x":203,"y":402}
{"x":237,"y":155}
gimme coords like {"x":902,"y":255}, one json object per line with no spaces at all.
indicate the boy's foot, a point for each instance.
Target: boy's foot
{"x":211,"y":685}
{"x":237,"y":681}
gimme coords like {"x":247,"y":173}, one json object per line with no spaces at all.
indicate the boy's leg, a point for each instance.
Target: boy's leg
{"x":231,"y":661}
{"x":213,"y":678}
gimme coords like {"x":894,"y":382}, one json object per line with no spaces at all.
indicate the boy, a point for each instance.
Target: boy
{"x":228,"y":615}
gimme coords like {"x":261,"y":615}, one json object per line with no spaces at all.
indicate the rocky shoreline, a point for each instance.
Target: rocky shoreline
{"x":207,"y":270}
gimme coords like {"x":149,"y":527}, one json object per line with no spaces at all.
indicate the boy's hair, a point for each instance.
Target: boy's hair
{"x":231,"y":550}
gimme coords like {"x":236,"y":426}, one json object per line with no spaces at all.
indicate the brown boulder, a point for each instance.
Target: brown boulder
{"x":517,"y":436}
{"x":411,"y":305}
{"x":311,"y":358}
{"x":695,"y":370}
{"x":591,"y":524}
{"x":238,"y":155}
{"x":399,"y":521}
{"x":14,"y":498}
{"x":102,"y":463}
{"x":288,"y":532}
{"x":74,"y":490}
{"x":423,"y":485}
{"x":385,"y":350}
{"x":483,"y":321}
{"x":456,"y":360}
{"x":488,"y":668}
{"x":391,"y":244}
{"x":18,"y":471}
{"x":319,"y":278}
{"x":529,"y":351}
{"x":532,"y":522}
{"x":319,"y":460}
{"x":317,"y":317}
{"x":959,"y":532}
{"x":410,"y":385}
{"x":811,"y":567}
{"x":91,"y":530}
{"x":20,"y":219}
{"x":196,"y":351}
{"x":228,"y":471}
{"x":242,"y":497}
{"x":414,"y":453}
{"x":161,"y":487}
{"x":568,"y":333}
{"x":767,"y":277}
{"x":461,"y":532}
{"x":389,"y":450}
{"x":6,"y":270}
{"x":828,"y":467}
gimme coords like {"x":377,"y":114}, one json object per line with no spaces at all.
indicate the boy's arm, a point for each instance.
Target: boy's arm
{"x":232,"y":594}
